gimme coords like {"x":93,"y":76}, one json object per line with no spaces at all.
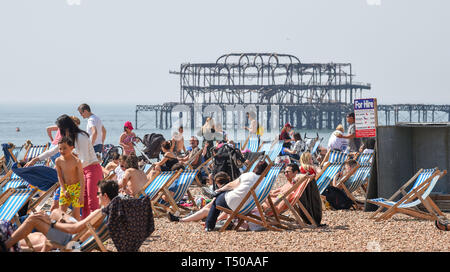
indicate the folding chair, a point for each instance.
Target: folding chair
{"x":182,"y":184}
{"x":159,"y":184}
{"x":424,"y":182}
{"x":252,"y":143}
{"x":12,"y":201}
{"x":92,"y":237}
{"x":34,"y":151}
{"x":334,"y":156}
{"x":327,"y":175}
{"x":254,"y":198}
{"x":293,"y":205}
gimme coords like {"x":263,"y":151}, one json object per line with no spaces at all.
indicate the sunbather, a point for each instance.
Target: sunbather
{"x":348,"y":167}
{"x":292,"y":173}
{"x":231,"y":194}
{"x":220,"y":179}
{"x":169,"y":160}
{"x":59,"y":227}
{"x":133,"y":178}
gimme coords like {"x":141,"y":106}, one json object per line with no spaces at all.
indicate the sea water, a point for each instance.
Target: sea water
{"x":19,"y":123}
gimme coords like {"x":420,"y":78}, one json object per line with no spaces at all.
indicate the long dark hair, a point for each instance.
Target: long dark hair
{"x":64,"y":122}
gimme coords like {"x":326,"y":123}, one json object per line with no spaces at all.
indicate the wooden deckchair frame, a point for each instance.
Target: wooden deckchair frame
{"x":163,"y":190}
{"x":89,"y":230}
{"x":170,"y":198}
{"x":305,"y":180}
{"x":415,"y":193}
{"x":261,"y":220}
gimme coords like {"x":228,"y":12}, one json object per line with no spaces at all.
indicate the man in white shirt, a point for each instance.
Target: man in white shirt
{"x":95,"y":128}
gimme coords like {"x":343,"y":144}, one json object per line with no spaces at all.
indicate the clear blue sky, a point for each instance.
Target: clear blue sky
{"x":111,"y":51}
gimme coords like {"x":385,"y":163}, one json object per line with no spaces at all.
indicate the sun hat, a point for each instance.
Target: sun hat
{"x":128,"y":125}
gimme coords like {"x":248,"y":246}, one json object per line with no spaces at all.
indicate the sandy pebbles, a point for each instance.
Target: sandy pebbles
{"x":345,"y":231}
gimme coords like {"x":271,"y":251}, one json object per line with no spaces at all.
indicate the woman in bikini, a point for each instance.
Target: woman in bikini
{"x":127,"y":138}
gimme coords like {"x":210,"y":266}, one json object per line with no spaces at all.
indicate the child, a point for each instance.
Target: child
{"x":133,"y":179}
{"x":70,"y":177}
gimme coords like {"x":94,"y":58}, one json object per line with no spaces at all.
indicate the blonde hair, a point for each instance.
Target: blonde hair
{"x":340,"y":128}
{"x":75,"y":120}
{"x":305,"y":160}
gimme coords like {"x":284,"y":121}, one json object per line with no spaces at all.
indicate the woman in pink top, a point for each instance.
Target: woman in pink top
{"x":85,"y":151}
{"x":127,"y":138}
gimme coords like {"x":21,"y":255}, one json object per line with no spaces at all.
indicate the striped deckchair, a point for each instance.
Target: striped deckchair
{"x":424,"y":182}
{"x":182,"y":184}
{"x":252,"y":143}
{"x":275,"y":150}
{"x":293,"y":204}
{"x":163,"y":180}
{"x":34,"y":151}
{"x":362,"y":174}
{"x":12,"y":181}
{"x":327,"y":175}
{"x":254,"y":198}
{"x":12,"y":201}
{"x":365,"y":158}
{"x":11,"y":153}
{"x":92,"y":237}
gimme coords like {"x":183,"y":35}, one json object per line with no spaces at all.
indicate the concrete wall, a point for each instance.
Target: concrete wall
{"x":403,"y":149}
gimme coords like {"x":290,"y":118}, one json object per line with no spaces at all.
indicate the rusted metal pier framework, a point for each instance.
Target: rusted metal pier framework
{"x":308,"y":95}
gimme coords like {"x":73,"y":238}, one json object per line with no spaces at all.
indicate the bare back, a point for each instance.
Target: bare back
{"x":133,"y":181}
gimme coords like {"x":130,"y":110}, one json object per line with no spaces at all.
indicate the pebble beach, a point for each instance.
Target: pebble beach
{"x":345,"y":231}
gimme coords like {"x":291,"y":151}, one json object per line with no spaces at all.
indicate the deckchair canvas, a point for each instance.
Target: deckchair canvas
{"x":183,"y":182}
{"x":293,"y":205}
{"x":255,"y":197}
{"x":327,"y":175}
{"x":424,"y":182}
{"x":12,"y":201}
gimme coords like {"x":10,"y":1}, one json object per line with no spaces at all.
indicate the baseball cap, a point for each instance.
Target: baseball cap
{"x":128,"y":125}
{"x":287,"y":125}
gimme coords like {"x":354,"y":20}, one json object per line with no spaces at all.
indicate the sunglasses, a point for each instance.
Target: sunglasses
{"x":99,"y":193}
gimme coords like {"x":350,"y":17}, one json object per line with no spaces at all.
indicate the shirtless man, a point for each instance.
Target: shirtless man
{"x":133,"y":179}
{"x":70,"y":178}
{"x":178,"y":142}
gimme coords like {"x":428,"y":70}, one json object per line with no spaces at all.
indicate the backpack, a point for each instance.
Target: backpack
{"x":152,"y":144}
{"x":337,"y":198}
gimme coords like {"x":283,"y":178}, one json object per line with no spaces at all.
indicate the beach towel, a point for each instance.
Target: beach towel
{"x":130,"y":222}
{"x":312,"y":202}
{"x":42,"y":177}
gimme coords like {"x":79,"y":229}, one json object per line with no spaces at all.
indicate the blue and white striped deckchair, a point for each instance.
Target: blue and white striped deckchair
{"x":365,"y":158}
{"x":252,"y":143}
{"x":152,"y":188}
{"x":327,"y":175}
{"x":182,"y":184}
{"x":254,"y":198}
{"x":362,"y":174}
{"x":14,"y":181}
{"x":13,"y":200}
{"x":316,"y":146}
{"x":337,"y":156}
{"x":425,"y":180}
{"x":35,"y":151}
{"x":275,"y":150}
